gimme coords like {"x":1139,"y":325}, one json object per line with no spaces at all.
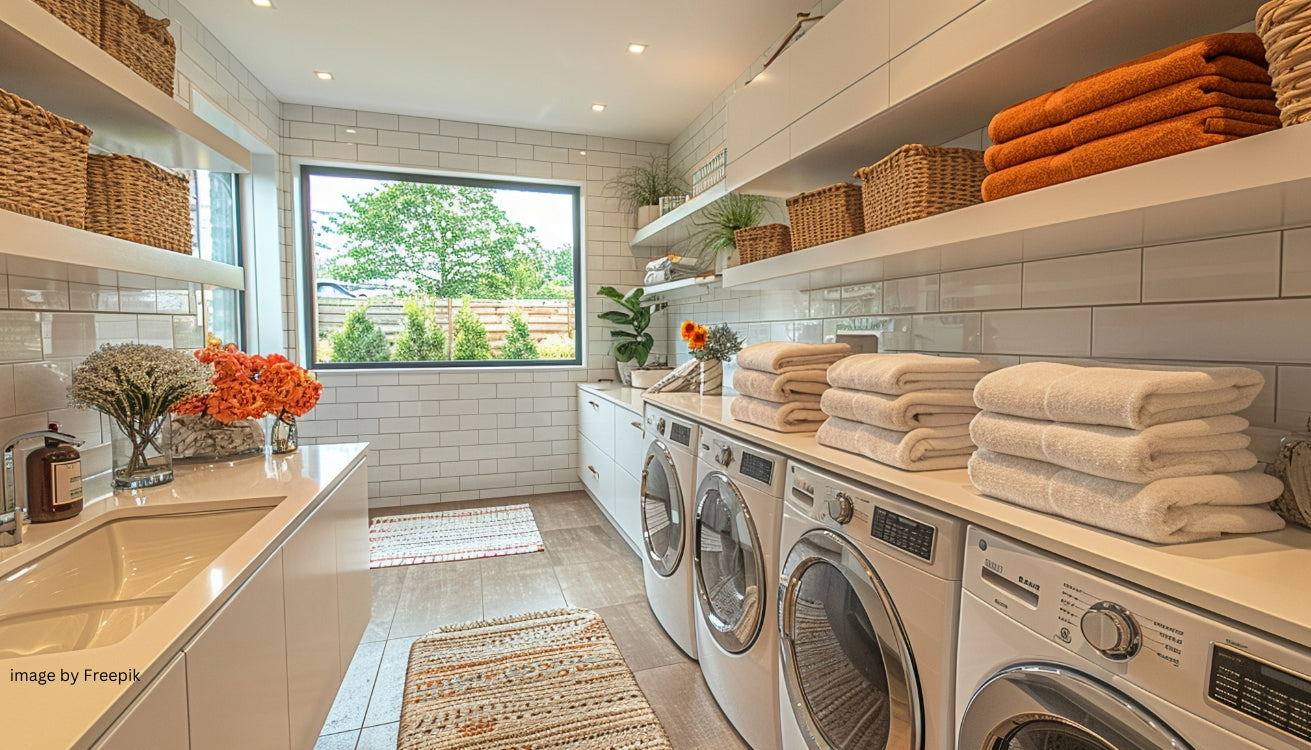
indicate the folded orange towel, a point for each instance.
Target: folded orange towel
{"x":1240,"y":57}
{"x":1188,"y":132}
{"x":1154,"y":106}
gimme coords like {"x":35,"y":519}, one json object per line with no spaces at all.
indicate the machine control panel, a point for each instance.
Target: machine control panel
{"x":758,"y":468}
{"x":1264,"y":692}
{"x":903,"y":532}
{"x":681,"y":434}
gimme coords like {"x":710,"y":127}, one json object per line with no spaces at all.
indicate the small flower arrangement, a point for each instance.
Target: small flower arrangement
{"x":248,"y":386}
{"x":716,"y":342}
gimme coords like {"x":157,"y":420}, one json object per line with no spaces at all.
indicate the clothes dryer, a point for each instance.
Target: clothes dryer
{"x":668,"y":506}
{"x":738,"y":512}
{"x":868,"y":606}
{"x":1053,"y":655}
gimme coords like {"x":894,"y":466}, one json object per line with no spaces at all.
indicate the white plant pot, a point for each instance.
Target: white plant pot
{"x":646,"y":215}
{"x":646,"y":378}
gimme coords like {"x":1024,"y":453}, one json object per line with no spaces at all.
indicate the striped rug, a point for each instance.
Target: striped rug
{"x":543,"y":680}
{"x":452,"y":535}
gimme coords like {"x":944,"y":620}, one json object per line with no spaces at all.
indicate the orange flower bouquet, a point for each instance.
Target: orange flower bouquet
{"x":243,"y":388}
{"x":718,"y":342}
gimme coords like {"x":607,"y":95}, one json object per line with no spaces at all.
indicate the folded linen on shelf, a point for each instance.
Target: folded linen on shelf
{"x":657,"y":277}
{"x":1119,"y":396}
{"x":779,"y":357}
{"x":1214,"y":445}
{"x":674,"y":262}
{"x":802,"y":386}
{"x":935,"y":408}
{"x":897,"y":374}
{"x":922,"y":449}
{"x":790,"y":417}
{"x":1238,"y":57}
{"x":1154,"y":106}
{"x":1167,"y":511}
{"x":1195,"y":130}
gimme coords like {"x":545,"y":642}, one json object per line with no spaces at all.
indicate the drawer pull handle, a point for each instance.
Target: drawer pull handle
{"x":637,"y":425}
{"x":594,"y":404}
{"x":592,"y":469}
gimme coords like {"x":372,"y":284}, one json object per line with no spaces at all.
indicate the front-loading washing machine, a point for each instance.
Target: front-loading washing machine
{"x":1054,"y":655}
{"x":868,"y":607}
{"x":738,"y":514}
{"x":668,"y":506}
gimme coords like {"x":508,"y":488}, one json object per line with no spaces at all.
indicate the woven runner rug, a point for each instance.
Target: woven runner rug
{"x":452,"y":535}
{"x":542,"y":680}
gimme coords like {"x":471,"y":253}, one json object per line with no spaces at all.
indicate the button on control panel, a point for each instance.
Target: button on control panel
{"x":1264,"y":692}
{"x":904,"y":533}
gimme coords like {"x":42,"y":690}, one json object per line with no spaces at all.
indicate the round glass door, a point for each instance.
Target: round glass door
{"x":730,"y":565}
{"x":662,"y":510}
{"x":1044,"y":706}
{"x":846,"y":661}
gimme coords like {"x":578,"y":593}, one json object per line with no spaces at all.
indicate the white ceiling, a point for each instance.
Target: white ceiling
{"x":526,"y":63}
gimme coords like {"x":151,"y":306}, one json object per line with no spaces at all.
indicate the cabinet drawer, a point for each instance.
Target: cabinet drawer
{"x":630,"y":442}
{"x":596,"y":420}
{"x":596,"y":470}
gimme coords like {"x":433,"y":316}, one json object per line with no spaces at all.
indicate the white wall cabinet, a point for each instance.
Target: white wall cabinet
{"x":611,"y":444}
{"x":157,"y":718}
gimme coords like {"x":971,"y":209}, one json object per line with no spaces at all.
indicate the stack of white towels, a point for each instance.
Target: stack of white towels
{"x":779,"y":384}
{"x":911,"y":411}
{"x":670,"y":268}
{"x":1154,"y":453}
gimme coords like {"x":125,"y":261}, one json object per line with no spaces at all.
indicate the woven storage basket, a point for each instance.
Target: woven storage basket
{"x":826,"y":215}
{"x":1285,"y":27}
{"x":138,"y":41}
{"x":758,"y":243}
{"x":916,"y":181}
{"x":83,"y":16}
{"x":42,"y":162}
{"x":135,"y":200}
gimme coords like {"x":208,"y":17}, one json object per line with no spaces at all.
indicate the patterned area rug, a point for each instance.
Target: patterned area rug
{"x":452,"y":535}
{"x":541,"y":680}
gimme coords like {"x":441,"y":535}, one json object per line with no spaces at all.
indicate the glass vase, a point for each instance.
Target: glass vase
{"x":283,"y":438}
{"x":712,"y":377}
{"x":140,"y":453}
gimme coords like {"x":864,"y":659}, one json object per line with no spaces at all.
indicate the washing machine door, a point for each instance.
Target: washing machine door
{"x":1040,"y":706}
{"x":847,"y":665}
{"x":730,"y":565}
{"x":662,"y":510}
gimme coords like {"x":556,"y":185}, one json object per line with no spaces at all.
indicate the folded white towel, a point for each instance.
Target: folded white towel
{"x":1215,"y":445}
{"x":788,"y":356}
{"x":1133,"y":397}
{"x":1167,"y":511}
{"x":658,"y":276}
{"x":802,"y":386}
{"x":923,"y":449}
{"x":896,"y":374}
{"x":936,"y":408}
{"x":793,"y":417}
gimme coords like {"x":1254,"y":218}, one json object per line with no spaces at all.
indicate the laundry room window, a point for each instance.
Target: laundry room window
{"x":417,"y":270}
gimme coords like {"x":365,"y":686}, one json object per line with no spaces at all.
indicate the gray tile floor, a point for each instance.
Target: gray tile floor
{"x":586,"y":564}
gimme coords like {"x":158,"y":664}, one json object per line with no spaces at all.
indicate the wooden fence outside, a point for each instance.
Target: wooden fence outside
{"x":546,"y":318}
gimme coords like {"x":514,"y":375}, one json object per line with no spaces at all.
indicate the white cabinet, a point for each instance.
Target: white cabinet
{"x":157,"y":718}
{"x":759,"y":110}
{"x":630,"y":449}
{"x":596,"y":420}
{"x":843,"y":47}
{"x":596,"y":469}
{"x":309,"y":572}
{"x":611,"y":445}
{"x":350,"y":518}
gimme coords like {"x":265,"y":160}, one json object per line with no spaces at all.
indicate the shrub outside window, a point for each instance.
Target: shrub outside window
{"x":415,"y":270}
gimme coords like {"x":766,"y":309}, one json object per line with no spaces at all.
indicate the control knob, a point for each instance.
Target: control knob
{"x":1111,"y":630}
{"x":840,"y":507}
{"x":724,"y":456}
{"x":660,"y":426}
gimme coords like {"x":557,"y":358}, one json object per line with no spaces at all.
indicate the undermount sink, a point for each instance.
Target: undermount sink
{"x":95,"y":589}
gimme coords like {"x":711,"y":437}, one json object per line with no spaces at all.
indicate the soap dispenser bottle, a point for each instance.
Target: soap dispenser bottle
{"x":54,"y":481}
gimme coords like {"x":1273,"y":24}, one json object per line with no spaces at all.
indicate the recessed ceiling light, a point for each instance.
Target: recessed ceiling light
{"x":350,"y":130}
{"x":582,"y":153}
{"x":598,"y":107}
{"x":262,"y":3}
{"x":636,"y":48}
{"x":323,"y":75}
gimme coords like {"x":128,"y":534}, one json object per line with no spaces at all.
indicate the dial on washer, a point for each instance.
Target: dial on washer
{"x":1111,"y":630}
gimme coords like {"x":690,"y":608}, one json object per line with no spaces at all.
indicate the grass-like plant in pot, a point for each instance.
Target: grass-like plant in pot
{"x":718,"y":221}
{"x":644,"y":185}
{"x":631,"y":341}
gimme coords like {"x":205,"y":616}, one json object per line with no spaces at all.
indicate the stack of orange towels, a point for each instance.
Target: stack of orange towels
{"x":779,"y":384}
{"x":1200,"y":93}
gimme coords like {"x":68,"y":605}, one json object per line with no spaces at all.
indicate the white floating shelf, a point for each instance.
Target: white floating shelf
{"x":1246,"y":185}
{"x":34,"y":238}
{"x":676,"y":226}
{"x":681,"y":287}
{"x":48,"y":63}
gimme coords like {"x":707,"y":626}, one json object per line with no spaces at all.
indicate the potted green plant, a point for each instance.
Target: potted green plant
{"x":641,"y":186}
{"x":632,"y":344}
{"x":718,"y":221}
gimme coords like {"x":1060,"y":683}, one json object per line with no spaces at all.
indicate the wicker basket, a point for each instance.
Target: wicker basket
{"x":1285,"y":27}
{"x":758,"y":243}
{"x":826,"y":215}
{"x":138,"y":41}
{"x":917,"y":181}
{"x":42,"y":162}
{"x":83,"y":16}
{"x":135,"y":200}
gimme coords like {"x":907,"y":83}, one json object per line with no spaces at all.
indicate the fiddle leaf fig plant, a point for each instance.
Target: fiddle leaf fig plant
{"x":631,"y":341}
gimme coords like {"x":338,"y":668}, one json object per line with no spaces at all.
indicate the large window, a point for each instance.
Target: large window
{"x":216,"y":236}
{"x":422,"y":270}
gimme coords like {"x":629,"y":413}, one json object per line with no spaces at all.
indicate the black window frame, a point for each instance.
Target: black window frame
{"x":308,"y":293}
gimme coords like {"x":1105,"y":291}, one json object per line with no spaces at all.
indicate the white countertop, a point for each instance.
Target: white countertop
{"x":1256,"y":580}
{"x":60,"y":715}
{"x":620,"y":395}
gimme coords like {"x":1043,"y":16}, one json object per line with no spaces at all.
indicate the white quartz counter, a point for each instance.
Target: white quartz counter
{"x":1256,"y":580}
{"x":65,"y":715}
{"x":620,"y":395}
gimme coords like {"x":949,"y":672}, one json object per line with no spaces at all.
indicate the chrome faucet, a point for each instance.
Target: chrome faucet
{"x":12,"y":517}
